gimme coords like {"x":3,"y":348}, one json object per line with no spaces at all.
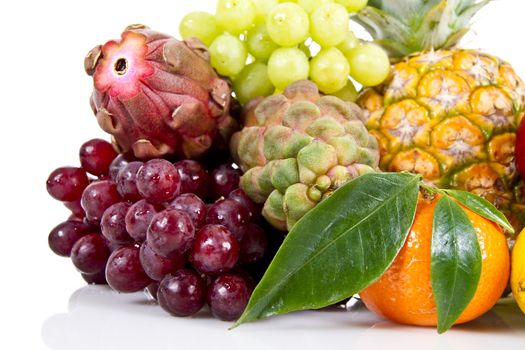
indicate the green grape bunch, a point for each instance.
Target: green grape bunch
{"x":265,"y":45}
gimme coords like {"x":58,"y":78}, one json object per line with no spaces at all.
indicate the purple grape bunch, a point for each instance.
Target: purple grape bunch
{"x":185,"y":233}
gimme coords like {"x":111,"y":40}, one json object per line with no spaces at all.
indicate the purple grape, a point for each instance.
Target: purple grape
{"x":241,"y":272}
{"x":120,"y":162}
{"x":113,"y":223}
{"x":194,"y":178}
{"x":193,"y":206}
{"x":170,"y":233}
{"x":96,"y":156}
{"x":224,"y":180}
{"x":73,"y":217}
{"x":254,"y":209}
{"x":228,"y":296}
{"x":64,"y":236}
{"x":95,"y":278}
{"x":115,"y":246}
{"x":253,"y":244}
{"x":231,"y":214}
{"x":182,"y":293}
{"x":76,"y":208}
{"x":158,"y":181}
{"x":90,"y":253}
{"x":127,"y":181}
{"x":157,"y":266}
{"x":124,"y":272}
{"x":97,"y":197}
{"x":66,"y":184}
{"x":215,"y":250}
{"x":138,"y":218}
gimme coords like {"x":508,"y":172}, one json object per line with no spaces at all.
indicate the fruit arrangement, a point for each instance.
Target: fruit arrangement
{"x":246,"y":131}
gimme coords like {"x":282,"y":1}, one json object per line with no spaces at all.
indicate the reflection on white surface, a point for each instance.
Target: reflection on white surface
{"x":98,"y":318}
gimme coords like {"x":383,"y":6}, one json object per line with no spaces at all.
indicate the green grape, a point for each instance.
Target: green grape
{"x":329,"y":70}
{"x":349,"y":43}
{"x":287,"y":65}
{"x":260,"y":45}
{"x":369,"y":64}
{"x":287,"y":24}
{"x":353,"y":5}
{"x":228,"y":55}
{"x":252,"y":81}
{"x":201,"y":25}
{"x":329,"y":24}
{"x":348,"y":93}
{"x":235,"y":16}
{"x":311,"y":5}
{"x":262,"y":8}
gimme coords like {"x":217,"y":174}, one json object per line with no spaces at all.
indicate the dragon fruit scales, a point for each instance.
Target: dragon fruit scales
{"x":159,"y":96}
{"x":298,"y":147}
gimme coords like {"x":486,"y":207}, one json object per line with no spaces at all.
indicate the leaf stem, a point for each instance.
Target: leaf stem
{"x":430,"y":189}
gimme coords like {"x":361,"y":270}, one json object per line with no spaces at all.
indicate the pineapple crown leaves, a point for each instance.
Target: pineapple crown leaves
{"x":403,"y":27}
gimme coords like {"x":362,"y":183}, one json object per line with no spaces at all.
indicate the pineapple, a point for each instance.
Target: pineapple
{"x":446,"y":113}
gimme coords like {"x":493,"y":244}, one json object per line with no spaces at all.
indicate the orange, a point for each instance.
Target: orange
{"x":404,"y":293}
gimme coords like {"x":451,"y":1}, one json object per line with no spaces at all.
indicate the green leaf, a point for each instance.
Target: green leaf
{"x":455,"y":263}
{"x":482,"y":207}
{"x":338,"y":248}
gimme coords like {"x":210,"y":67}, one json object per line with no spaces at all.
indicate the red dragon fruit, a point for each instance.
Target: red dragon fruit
{"x":159,"y":96}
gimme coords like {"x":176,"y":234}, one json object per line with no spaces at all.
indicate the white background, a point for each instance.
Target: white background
{"x":45,"y":116}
